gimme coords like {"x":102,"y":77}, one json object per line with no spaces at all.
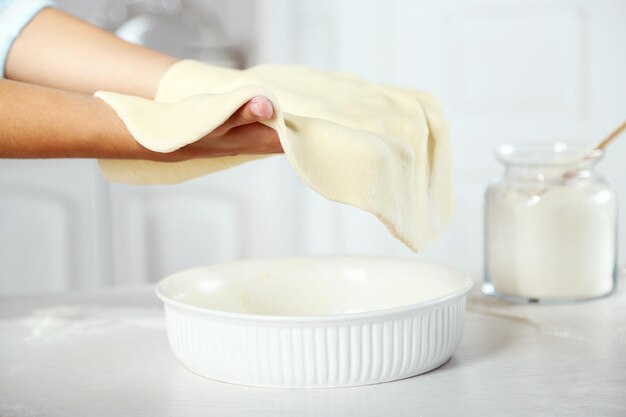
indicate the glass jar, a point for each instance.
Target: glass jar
{"x":550,"y":226}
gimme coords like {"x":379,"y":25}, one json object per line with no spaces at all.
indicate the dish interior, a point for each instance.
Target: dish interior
{"x":312,"y":286}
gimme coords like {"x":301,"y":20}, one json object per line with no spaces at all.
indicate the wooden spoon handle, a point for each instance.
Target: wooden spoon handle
{"x":611,"y":136}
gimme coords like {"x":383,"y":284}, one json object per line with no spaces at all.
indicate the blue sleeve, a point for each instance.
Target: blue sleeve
{"x":14,"y":15}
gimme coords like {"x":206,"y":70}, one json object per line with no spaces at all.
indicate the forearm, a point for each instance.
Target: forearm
{"x":39,"y":122}
{"x":60,"y":51}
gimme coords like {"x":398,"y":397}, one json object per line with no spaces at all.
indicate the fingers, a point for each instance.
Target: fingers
{"x":250,"y":139}
{"x":253,"y":138}
{"x":257,"y":109}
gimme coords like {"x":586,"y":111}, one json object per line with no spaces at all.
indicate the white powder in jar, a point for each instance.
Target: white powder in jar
{"x":557,"y":242}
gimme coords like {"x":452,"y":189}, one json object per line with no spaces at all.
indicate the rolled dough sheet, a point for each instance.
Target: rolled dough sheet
{"x":380,"y":148}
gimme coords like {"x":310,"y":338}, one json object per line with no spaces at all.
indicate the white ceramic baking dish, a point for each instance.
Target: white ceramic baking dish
{"x":314,"y":322}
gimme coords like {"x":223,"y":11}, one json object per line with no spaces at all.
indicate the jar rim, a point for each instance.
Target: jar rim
{"x":535,"y":154}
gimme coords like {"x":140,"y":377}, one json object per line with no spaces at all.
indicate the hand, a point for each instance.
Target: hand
{"x":240,"y":134}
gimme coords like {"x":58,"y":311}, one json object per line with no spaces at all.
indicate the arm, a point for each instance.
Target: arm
{"x":40,"y":122}
{"x":60,"y":51}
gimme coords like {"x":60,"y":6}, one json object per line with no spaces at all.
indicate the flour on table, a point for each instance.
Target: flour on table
{"x":577,"y":321}
{"x":65,"y":322}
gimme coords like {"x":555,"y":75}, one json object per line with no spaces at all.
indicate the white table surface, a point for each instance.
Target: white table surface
{"x":105,"y":353}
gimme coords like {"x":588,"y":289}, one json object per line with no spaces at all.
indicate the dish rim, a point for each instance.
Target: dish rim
{"x":467,"y":285}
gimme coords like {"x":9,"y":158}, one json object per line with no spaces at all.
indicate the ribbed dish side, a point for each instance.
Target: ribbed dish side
{"x":316,"y":356}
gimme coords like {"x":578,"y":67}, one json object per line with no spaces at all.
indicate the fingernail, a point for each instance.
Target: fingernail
{"x":261,"y":107}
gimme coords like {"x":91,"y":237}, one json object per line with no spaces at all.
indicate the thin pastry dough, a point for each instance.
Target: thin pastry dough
{"x":380,"y":148}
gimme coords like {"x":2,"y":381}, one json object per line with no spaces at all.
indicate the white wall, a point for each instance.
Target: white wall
{"x":504,"y":70}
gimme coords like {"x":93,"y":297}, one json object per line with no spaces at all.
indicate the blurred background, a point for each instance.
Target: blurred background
{"x":505,"y":71}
